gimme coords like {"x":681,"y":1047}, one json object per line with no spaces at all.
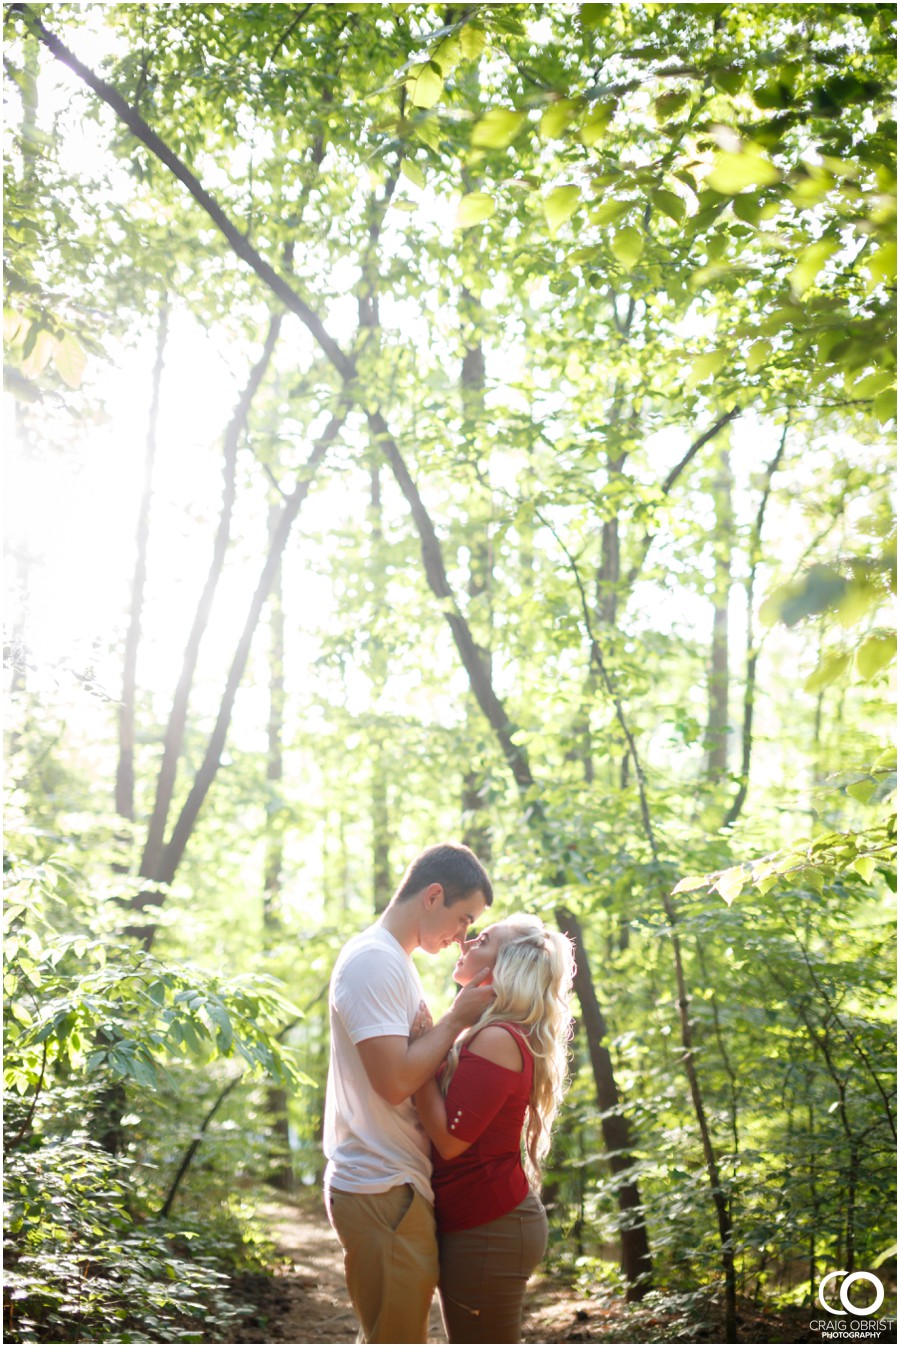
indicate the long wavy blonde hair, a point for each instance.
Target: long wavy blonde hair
{"x":533,"y":981}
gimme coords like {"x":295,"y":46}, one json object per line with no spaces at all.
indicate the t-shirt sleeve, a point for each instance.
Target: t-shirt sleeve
{"x":371,"y":996}
{"x":477,"y":1092}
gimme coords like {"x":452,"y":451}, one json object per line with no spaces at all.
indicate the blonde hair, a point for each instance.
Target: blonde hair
{"x":533,"y":981}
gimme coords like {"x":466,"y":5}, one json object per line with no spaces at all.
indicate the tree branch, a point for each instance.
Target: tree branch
{"x":673,"y":476}
{"x":238,"y":241}
{"x":737,"y":803}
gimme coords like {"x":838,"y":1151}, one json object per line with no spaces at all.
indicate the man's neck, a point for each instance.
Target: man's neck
{"x":400,"y":922}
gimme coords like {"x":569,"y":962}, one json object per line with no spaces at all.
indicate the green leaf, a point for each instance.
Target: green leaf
{"x":704,"y":366}
{"x":497,"y":129}
{"x":864,"y":867}
{"x":828,"y":672}
{"x":885,"y":406}
{"x":412,"y":172}
{"x":596,"y":123}
{"x":747,"y":208}
{"x":557,"y":117}
{"x":873,"y":384}
{"x":592,"y":16}
{"x":758,"y":355}
{"x":446,"y":54}
{"x":861,"y":790}
{"x":473,"y":208}
{"x":670,"y":203}
{"x":425,"y":84}
{"x":472,"y":41}
{"x":734,"y":173}
{"x":690,"y":883}
{"x":875,"y":654}
{"x":669,"y":104}
{"x":730,"y":883}
{"x":610,"y":212}
{"x":811,"y":262}
{"x":883,"y":264}
{"x":560,"y":205}
{"x":627,"y":245}
{"x":43,"y":347}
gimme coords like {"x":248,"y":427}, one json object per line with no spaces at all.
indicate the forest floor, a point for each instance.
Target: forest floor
{"x":306,"y":1302}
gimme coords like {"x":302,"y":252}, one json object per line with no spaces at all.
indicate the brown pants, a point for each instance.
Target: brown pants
{"x":390,"y":1260}
{"x":484,"y":1272}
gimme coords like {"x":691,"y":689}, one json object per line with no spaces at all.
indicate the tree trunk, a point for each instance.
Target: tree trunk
{"x":720,"y":1204}
{"x":173,"y":852}
{"x":125,"y":765}
{"x":716,"y":742}
{"x":174,"y":737}
{"x":476,"y":832}
{"x":751,"y":645}
{"x":281,"y":1173}
{"x":636,"y":1262}
{"x":380,"y":800}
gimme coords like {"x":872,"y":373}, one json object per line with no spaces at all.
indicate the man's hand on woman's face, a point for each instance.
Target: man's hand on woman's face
{"x":474,"y":999}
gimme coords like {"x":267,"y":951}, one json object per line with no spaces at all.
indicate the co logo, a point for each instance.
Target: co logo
{"x":849,"y":1279}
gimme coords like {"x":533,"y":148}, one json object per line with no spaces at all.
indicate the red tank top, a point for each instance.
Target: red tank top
{"x":486,"y":1105}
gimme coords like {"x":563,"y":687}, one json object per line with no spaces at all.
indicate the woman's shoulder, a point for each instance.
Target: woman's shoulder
{"x":500,"y":1044}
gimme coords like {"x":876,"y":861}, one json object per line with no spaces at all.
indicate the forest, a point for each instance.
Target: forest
{"x":450,"y":422}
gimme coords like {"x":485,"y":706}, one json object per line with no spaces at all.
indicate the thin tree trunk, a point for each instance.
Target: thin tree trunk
{"x":125,"y":766}
{"x":281,"y":1174}
{"x":227,"y":1089}
{"x":717,"y":1193}
{"x":716,"y":741}
{"x":379,"y":786}
{"x":636,"y":1262}
{"x":476,"y":831}
{"x":206,"y":773}
{"x":174,"y":737}
{"x":752,"y":648}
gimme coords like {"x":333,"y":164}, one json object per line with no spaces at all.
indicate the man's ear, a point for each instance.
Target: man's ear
{"x":434,"y":895}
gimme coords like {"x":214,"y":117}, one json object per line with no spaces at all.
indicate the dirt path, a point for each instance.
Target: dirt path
{"x":306,"y":1302}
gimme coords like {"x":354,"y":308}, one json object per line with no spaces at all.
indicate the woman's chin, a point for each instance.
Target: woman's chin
{"x":460,"y":979}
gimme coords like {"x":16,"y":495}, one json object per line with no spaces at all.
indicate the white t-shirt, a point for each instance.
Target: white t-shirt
{"x":371,"y":1145}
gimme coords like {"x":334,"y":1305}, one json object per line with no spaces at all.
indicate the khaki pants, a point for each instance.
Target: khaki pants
{"x":390,"y":1260}
{"x":484,"y":1272}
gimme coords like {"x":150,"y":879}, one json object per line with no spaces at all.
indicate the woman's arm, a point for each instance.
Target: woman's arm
{"x":493,"y":1045}
{"x":433,"y":1116}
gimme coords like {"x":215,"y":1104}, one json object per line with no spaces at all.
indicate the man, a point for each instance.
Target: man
{"x":378,"y":1179}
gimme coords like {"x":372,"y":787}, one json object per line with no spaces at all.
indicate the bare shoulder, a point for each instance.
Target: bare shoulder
{"x":498,"y":1046}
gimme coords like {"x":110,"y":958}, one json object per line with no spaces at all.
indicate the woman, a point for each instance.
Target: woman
{"x":504,"y":1076}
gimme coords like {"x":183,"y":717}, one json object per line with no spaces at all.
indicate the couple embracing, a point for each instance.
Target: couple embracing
{"x":435,"y":1132}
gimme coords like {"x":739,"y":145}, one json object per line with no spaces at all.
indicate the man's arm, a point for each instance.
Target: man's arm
{"x":397,"y":1068}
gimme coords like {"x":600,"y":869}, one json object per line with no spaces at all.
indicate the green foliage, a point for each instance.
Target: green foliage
{"x":92,"y":1007}
{"x":86,"y":1018}
{"x":82,"y":1263}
